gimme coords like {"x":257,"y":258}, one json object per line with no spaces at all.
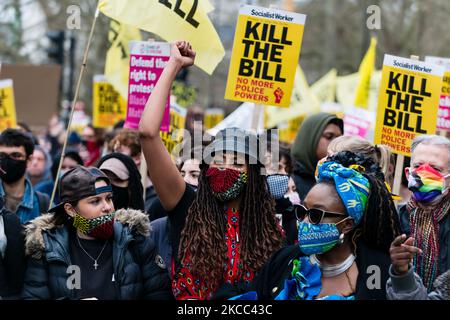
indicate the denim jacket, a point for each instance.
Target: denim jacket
{"x":28,"y":209}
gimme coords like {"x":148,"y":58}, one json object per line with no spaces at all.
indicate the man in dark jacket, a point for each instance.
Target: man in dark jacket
{"x":12,"y":254}
{"x":310,"y":145}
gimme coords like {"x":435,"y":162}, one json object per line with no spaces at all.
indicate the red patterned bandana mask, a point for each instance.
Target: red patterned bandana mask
{"x":226,"y":184}
{"x":101,"y":228}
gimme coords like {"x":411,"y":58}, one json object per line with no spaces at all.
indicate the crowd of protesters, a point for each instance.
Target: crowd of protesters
{"x":240,"y":217}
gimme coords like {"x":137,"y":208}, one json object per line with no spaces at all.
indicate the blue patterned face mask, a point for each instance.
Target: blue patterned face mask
{"x":317,"y":238}
{"x":278,"y":185}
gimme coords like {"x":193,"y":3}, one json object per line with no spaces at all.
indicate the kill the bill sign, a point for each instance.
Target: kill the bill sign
{"x":265,"y":56}
{"x":408,"y":102}
{"x":7,"y":106}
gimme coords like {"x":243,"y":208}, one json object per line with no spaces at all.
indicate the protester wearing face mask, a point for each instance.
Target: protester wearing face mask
{"x":125,"y":180}
{"x":227,"y":229}
{"x":92,"y":139}
{"x":16,"y":190}
{"x":340,"y":236}
{"x":425,"y":218}
{"x":114,"y":255}
{"x":280,"y":186}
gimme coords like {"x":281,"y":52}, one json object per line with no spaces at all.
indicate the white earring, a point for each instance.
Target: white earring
{"x":341,"y":238}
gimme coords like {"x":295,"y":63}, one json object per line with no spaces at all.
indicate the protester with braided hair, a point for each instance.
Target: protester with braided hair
{"x":227,"y":229}
{"x":343,"y":241}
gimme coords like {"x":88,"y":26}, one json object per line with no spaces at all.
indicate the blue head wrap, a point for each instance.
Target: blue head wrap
{"x":353,"y":188}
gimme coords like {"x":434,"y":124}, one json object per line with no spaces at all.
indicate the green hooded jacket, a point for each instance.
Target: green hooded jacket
{"x":304,"y":149}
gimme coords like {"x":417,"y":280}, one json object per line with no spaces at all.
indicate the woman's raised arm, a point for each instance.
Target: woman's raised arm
{"x":168,"y":182}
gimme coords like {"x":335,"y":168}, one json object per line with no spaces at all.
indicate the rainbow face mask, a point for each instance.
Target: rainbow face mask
{"x":426,"y":183}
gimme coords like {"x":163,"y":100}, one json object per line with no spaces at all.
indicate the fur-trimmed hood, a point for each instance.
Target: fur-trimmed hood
{"x":137,"y":221}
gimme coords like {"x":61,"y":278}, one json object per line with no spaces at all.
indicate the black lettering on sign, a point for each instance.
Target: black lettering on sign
{"x":190,"y":17}
{"x":166,"y":3}
{"x":177,"y":9}
{"x":3,"y":112}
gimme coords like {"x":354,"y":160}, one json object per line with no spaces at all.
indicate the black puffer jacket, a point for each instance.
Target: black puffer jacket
{"x":139,"y":271}
{"x":12,"y":259}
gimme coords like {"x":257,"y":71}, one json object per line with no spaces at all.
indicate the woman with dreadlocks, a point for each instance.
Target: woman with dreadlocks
{"x":341,"y":238}
{"x":222,"y":234}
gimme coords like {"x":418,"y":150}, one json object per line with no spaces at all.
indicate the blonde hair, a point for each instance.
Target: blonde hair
{"x":380,"y":153}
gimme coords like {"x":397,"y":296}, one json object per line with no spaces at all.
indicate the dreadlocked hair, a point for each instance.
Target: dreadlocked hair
{"x":203,"y":237}
{"x":380,"y":224}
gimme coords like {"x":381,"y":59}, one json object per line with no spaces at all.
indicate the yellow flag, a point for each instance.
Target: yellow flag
{"x":365,"y":73}
{"x":325,"y":88}
{"x":172,"y":20}
{"x":206,"y":5}
{"x":117,"y":65}
{"x":303,"y":101}
{"x":7,"y":106}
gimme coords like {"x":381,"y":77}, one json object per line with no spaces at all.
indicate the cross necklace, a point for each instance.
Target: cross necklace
{"x":95,"y":260}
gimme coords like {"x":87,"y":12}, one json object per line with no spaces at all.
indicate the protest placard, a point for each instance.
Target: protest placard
{"x":288,"y":130}
{"x":213,"y":117}
{"x":108,"y":106}
{"x":265,"y":56}
{"x":147,"y":61}
{"x":36,"y":87}
{"x":357,"y":121}
{"x":175,"y":135}
{"x":443,"y":121}
{"x":7,"y":105}
{"x":408,"y":102}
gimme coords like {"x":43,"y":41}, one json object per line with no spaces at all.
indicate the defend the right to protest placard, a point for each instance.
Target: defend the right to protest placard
{"x":408,"y":102}
{"x":147,"y":61}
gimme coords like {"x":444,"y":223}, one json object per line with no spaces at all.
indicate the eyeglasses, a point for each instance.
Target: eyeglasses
{"x":13,"y":155}
{"x":315,"y":216}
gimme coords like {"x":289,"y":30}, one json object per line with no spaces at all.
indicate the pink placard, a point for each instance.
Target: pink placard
{"x":443,"y":122}
{"x":357,"y":122}
{"x":147,"y":61}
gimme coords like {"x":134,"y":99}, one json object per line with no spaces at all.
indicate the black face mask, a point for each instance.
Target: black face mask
{"x":192,"y":186}
{"x":15,"y":169}
{"x":120,"y":197}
